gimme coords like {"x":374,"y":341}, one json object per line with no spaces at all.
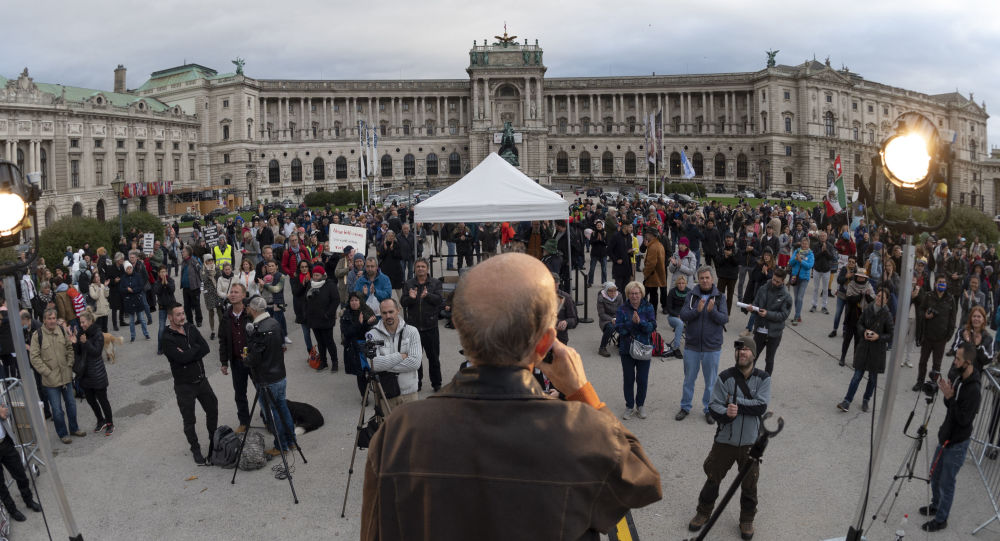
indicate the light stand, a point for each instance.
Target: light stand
{"x":11,"y":184}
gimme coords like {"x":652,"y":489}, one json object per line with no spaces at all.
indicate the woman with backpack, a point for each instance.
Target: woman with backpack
{"x":88,"y":346}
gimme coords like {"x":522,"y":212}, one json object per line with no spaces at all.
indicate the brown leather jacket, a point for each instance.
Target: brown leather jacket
{"x":491,"y":457}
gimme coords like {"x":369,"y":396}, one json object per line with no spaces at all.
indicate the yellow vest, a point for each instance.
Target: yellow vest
{"x":221,"y":258}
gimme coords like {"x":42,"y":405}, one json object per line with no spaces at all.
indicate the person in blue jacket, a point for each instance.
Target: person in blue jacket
{"x":373,"y":281}
{"x":635,"y":320}
{"x":704,"y":315}
{"x":800,"y":269}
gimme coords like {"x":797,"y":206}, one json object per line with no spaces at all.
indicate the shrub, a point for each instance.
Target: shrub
{"x":144,"y":222}
{"x":319,"y":199}
{"x":337,"y":198}
{"x":966,"y":222}
{"x":72,"y":231}
{"x":686,"y":188}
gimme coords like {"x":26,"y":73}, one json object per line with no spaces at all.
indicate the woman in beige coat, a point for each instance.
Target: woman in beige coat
{"x":99,"y":291}
{"x":654,"y":270}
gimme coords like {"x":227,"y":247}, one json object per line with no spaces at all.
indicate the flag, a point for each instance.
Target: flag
{"x":126,"y":192}
{"x":170,"y":186}
{"x":651,"y":139}
{"x":836,"y":195}
{"x":688,"y":171}
{"x":362,"y":134}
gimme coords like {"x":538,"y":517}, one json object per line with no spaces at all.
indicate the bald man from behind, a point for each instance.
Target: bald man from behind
{"x":492,"y":456}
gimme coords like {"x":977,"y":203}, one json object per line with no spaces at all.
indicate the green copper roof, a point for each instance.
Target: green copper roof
{"x":78,"y":94}
{"x":179,"y":74}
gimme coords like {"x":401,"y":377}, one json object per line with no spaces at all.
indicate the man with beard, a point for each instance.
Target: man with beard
{"x":620,"y":253}
{"x":773,"y":306}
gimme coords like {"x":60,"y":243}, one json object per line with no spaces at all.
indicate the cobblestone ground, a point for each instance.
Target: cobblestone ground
{"x":141,"y":483}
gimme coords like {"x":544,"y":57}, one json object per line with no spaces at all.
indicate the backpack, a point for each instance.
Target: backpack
{"x":253,"y":457}
{"x":225,"y":447}
{"x":658,"y":346}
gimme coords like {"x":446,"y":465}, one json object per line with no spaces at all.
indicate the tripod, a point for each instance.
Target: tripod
{"x":905,"y":471}
{"x":373,"y":387}
{"x":268,"y":412}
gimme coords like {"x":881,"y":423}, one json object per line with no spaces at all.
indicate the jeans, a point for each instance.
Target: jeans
{"x":943,"y":479}
{"x":635,"y":380}
{"x":800,"y":295}
{"x":192,"y":305}
{"x":839,"y":312}
{"x":201,"y":391}
{"x":451,"y":255}
{"x":159,"y":333}
{"x":58,"y":395}
{"x":709,"y":363}
{"x":145,"y":308}
{"x":744,"y":271}
{"x":131,"y":325}
{"x":284,"y":430}
{"x":856,"y":381}
{"x":306,"y":336}
{"x":820,"y":280}
{"x":279,"y":316}
{"x":604,"y":269}
{"x":678,"y":326}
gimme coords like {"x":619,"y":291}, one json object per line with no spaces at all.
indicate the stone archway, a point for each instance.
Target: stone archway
{"x":50,"y":215}
{"x":100,"y":210}
{"x":77,"y":209}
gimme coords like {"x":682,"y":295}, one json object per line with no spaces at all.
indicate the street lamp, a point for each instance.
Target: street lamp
{"x":118,"y":185}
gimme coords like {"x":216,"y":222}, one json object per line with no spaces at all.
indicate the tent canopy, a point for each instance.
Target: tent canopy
{"x":494,"y":191}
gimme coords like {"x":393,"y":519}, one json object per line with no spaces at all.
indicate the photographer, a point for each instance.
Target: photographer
{"x":936,"y":324}
{"x":570,"y":468}
{"x":400,"y":354}
{"x":961,"y":393}
{"x":266,"y":360}
{"x":185,"y":348}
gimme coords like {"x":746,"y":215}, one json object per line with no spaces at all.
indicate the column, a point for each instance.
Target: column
{"x":461,"y":115}
{"x":690,"y":113}
{"x":749,"y":108}
{"x":30,"y":164}
{"x":442,"y":106}
{"x":644,"y":115}
{"x":539,"y":104}
{"x":526,"y":99}
{"x":38,"y":155}
{"x":487,"y":110}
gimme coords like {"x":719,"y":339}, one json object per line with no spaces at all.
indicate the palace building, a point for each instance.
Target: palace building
{"x":249,"y":139}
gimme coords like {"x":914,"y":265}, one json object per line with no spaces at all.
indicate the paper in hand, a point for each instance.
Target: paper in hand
{"x":746,"y":306}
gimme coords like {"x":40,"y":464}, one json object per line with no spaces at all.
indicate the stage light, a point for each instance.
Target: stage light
{"x":16,"y":195}
{"x":908,"y":156}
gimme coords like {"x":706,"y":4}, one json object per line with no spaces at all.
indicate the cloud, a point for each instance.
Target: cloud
{"x":921,"y":45}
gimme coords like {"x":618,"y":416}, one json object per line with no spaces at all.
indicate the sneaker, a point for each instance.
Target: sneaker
{"x":934,"y":526}
{"x":746,"y":530}
{"x":629,"y":412}
{"x":825,"y":311}
{"x":147,"y":337}
{"x":745,"y":333}
{"x":833,"y":334}
{"x":240,"y":429}
{"x":697,"y":522}
{"x":678,"y":353}
{"x":864,"y":406}
{"x":66,"y":439}
{"x":908,"y":364}
{"x":844,"y":406}
{"x":681,"y":415}
{"x":928,"y":510}
{"x":603,"y":352}
{"x":288,"y":340}
{"x":198,"y":458}
{"x":640,"y":413}
{"x":842,"y":363}
{"x":109,"y":429}
{"x":812,"y":310}
{"x":708,"y":418}
{"x":79,"y":433}
{"x":100,"y":426}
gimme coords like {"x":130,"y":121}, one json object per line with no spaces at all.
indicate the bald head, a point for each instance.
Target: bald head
{"x":502,"y":307}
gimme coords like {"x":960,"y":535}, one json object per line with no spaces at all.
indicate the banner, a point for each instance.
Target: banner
{"x":836,"y":195}
{"x":346,"y":235}
{"x":362,"y":135}
{"x":147,"y":243}
{"x":687,"y":170}
{"x":211,"y":236}
{"x":651,"y":139}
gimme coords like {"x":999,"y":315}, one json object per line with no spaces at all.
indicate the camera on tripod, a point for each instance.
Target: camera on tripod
{"x":930,"y":387}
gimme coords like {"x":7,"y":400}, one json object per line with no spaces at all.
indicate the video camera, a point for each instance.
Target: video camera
{"x":369,"y":351}
{"x":930,"y":387}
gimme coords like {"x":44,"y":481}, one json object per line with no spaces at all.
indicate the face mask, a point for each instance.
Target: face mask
{"x":942,"y":287}
{"x":847,"y":236}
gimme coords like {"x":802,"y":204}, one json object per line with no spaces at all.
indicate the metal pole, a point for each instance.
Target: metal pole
{"x":121,"y":232}
{"x":891,"y":383}
{"x":34,"y":411}
{"x":586,"y":305}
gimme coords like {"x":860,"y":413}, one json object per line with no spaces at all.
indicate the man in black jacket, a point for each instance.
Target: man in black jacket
{"x":748,"y":249}
{"x":826,"y":256}
{"x":619,"y":252}
{"x":185,"y":348}
{"x":266,"y":360}
{"x":727,"y":268}
{"x":322,"y":301}
{"x":421,"y":301}
{"x":232,"y":340}
{"x":935,"y":325}
{"x":962,"y":394}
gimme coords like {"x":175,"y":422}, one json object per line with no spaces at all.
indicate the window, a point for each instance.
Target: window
{"x":296,"y":170}
{"x":788,"y":177}
{"x":429,"y":127}
{"x":607,"y":163}
{"x":273,"y":172}
{"x":387,"y":166}
{"x":788,"y":150}
{"x":98,"y":171}
{"x":74,"y":143}
{"x":885,"y":110}
{"x":675,"y":164}
{"x":159,"y":145}
{"x":225,"y":158}
{"x":630,"y":163}
{"x":140,"y":145}
{"x":315,"y":127}
{"x":225,"y":104}
{"x":336,"y":107}
{"x":406,"y":106}
{"x":833,"y":153}
{"x":630,"y":122}
{"x":454,"y":164}
{"x":720,"y":165}
{"x":336,"y":129}
{"x":341,"y":165}
{"x":561,"y":127}
{"x":177,"y":169}
{"x":360,"y":108}
{"x":829,"y":98}
{"x":788,"y":95}
{"x":972,"y":149}
{"x":406,"y":127}
{"x":432,"y":165}
{"x":562,"y":163}
{"x":698,"y":163}
{"x":314,"y":108}
{"x":857,"y":158}
{"x":584,"y":163}
{"x":608,"y":125}
{"x":44,"y":159}
{"x":451,"y":106}
{"x":98,"y":143}
{"x":141,"y":170}
{"x":191,"y":169}
{"x":382,"y":128}
{"x":828,"y":123}
{"x":74,"y":167}
{"x":741,"y":166}
{"x":871,"y":108}
{"x":159,"y":169}
{"x":854,"y":106}
{"x":225,"y":133}
{"x":871,"y":136}
{"x":121,"y":168}
{"x":585,"y":125}
{"x":788,"y":124}
{"x":409,"y":165}
{"x":453,"y":126}
{"x":319,"y":169}
{"x":972,"y":127}
{"x":190,"y":147}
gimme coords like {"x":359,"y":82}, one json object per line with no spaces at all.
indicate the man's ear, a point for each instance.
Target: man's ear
{"x":543,"y":345}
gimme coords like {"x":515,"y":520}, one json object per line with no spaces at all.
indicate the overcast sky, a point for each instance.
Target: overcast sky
{"x":927,"y":46}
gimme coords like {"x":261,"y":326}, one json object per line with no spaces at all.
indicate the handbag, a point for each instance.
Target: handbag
{"x":793,"y":280}
{"x":639,"y":351}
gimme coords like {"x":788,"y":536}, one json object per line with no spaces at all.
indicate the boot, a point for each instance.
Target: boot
{"x":746,"y":530}
{"x":30,"y":503}
{"x":14,"y":512}
{"x":603,"y":352}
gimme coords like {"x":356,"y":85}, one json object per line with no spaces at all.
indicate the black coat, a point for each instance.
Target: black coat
{"x":391,"y":263}
{"x":265,"y":356}
{"x":94,"y":375}
{"x":186,"y":353}
{"x":422,"y":312}
{"x":869,"y":356}
{"x":727,"y":267}
{"x":226,"y":332}
{"x":164,"y":292}
{"x":132,"y":302}
{"x":114,"y":294}
{"x":321,"y":306}
{"x":299,"y":297}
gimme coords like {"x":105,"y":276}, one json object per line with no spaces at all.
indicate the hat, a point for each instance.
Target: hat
{"x":127,"y":265}
{"x":746,"y":342}
{"x":861,"y":273}
{"x":551,"y":246}
{"x":921,"y":260}
{"x":347,"y":249}
{"x":684,"y":241}
{"x":359,"y":255}
{"x":318,"y":269}
{"x":208,"y":257}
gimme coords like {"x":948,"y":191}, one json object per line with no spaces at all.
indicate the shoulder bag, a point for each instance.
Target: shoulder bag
{"x":639,"y":351}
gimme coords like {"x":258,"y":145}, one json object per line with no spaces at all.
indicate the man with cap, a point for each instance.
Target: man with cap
{"x":740,"y":398}
{"x":342,"y":270}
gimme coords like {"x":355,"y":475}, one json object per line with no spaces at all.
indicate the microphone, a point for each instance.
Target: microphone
{"x":249,"y":329}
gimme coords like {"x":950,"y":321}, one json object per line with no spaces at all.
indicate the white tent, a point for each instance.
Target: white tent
{"x":494,"y":191}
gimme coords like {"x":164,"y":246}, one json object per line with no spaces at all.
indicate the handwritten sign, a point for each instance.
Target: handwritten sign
{"x":147,"y":243}
{"x":211,"y":236}
{"x":345,"y":235}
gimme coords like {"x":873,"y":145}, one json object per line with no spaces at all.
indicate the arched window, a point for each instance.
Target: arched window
{"x":161,"y":204}
{"x":296,"y":170}
{"x":50,"y":216}
{"x":341,"y":165}
{"x":409,"y":166}
{"x":78,"y":208}
{"x":100,"y":210}
{"x":432,"y":164}
{"x":273,"y":172}
{"x":675,"y":164}
{"x":454,"y":164}
{"x":319,"y":169}
{"x":607,"y":163}
{"x":788,"y":124}
{"x":562,"y":163}
{"x":45,"y":170}
{"x":698,"y":163}
{"x":720,"y":165}
{"x":741,"y":166}
{"x":387,"y":166}
{"x":828,"y":123}
{"x":584,"y":163}
{"x":630,"y":163}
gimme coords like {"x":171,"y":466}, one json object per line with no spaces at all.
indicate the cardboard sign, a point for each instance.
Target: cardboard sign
{"x":345,"y":235}
{"x":147,"y":243}
{"x":211,"y":236}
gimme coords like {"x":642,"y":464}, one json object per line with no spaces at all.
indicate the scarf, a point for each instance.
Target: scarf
{"x":682,"y":251}
{"x":314,"y":287}
{"x":865,"y":290}
{"x":604,"y":295}
{"x":45,"y":298}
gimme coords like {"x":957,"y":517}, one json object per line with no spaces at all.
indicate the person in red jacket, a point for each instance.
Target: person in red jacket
{"x":293,"y":254}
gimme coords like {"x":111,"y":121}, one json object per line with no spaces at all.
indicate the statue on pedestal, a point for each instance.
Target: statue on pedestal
{"x":507,"y":149}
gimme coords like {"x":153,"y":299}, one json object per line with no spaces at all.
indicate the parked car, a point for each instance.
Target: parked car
{"x":797,"y":196}
{"x":746,"y":194}
{"x":288,"y":204}
{"x":188,"y":218}
{"x":593,"y":192}
{"x":759,"y":194}
{"x":610,"y":197}
{"x":780,"y":194}
{"x":246,"y":208}
{"x":217,"y":213}
{"x":683,"y":199}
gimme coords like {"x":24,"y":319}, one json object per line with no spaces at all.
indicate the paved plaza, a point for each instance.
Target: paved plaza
{"x":141,"y":483}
